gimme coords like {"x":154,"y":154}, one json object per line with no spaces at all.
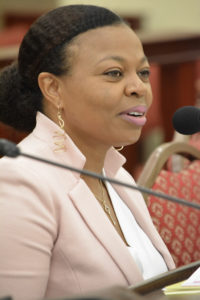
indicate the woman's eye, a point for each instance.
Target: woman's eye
{"x":114,"y":73}
{"x":144,"y":74}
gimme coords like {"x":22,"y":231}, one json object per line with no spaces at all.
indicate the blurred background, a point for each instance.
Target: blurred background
{"x":170,"y":32}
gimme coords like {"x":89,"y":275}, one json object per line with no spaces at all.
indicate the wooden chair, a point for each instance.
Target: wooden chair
{"x":178,"y":225}
{"x":179,"y":161}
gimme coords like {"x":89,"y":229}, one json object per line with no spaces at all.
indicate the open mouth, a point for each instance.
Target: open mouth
{"x":135,"y":115}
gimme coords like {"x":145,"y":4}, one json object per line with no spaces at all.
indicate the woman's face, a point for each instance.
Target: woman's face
{"x":107,"y":93}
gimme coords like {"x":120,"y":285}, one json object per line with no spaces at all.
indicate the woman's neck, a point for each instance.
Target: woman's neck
{"x":94,"y":163}
{"x":93,"y":150}
{"x":94,"y":160}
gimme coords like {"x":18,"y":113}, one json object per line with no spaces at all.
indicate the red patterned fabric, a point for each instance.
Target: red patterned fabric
{"x":178,"y":225}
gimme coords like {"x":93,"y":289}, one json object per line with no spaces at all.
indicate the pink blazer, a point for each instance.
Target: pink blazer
{"x":55,"y":239}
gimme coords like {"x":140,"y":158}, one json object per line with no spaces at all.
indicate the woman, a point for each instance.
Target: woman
{"x":81,"y":85}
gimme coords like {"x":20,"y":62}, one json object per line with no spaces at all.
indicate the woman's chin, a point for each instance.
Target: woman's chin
{"x":132,"y":140}
{"x":127,"y":143}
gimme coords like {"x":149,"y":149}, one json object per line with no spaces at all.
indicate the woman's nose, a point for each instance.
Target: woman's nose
{"x":135,"y":87}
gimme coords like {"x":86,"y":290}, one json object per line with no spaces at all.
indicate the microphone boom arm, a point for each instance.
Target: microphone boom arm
{"x":114,"y":181}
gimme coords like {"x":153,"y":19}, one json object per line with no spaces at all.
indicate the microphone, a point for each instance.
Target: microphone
{"x":186,"y":120}
{"x":10,"y":149}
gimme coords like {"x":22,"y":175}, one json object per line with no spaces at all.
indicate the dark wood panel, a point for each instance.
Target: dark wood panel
{"x":13,"y":18}
{"x":7,"y":132}
{"x":176,"y":55}
{"x":177,"y":90}
{"x":158,"y":46}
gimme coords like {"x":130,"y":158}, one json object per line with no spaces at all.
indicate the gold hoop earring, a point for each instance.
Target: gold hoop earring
{"x":120,"y":148}
{"x":60,"y":137}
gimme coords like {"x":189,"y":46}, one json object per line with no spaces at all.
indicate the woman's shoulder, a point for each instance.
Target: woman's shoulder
{"x":35,"y":175}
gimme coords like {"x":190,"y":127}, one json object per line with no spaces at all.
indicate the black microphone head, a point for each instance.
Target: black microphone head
{"x":186,"y":120}
{"x":8,"y":148}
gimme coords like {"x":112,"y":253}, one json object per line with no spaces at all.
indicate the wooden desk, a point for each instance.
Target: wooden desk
{"x":152,"y":288}
{"x":159,"y":295}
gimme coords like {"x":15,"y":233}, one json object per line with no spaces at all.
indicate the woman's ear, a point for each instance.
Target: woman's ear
{"x":50,"y":87}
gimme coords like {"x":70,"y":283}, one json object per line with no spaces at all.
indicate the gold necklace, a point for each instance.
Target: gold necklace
{"x":105,"y":206}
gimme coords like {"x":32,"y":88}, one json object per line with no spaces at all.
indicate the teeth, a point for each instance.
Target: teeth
{"x":136,"y":114}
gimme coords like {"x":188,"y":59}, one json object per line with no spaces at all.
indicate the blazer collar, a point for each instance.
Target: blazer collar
{"x":45,"y":130}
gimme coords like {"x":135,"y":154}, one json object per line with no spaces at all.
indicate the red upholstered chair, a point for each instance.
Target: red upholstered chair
{"x":178,"y":225}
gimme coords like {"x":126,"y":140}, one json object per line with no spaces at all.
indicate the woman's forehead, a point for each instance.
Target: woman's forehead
{"x":107,"y":42}
{"x":102,"y":33}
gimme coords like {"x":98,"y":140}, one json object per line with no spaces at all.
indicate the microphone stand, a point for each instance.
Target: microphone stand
{"x":10,"y":149}
{"x":114,"y":181}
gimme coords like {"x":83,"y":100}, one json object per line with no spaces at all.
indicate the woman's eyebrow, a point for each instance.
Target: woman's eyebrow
{"x":112,"y":57}
{"x":120,"y":59}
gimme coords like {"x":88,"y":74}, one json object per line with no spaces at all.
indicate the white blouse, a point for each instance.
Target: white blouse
{"x":148,"y":259}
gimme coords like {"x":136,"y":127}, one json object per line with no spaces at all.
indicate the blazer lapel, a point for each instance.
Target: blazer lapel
{"x":104,"y":231}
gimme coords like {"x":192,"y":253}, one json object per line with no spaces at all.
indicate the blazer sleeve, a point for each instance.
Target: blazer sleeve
{"x":27,"y":232}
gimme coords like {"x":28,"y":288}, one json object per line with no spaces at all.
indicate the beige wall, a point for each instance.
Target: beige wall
{"x":27,"y":5}
{"x":159,"y":15}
